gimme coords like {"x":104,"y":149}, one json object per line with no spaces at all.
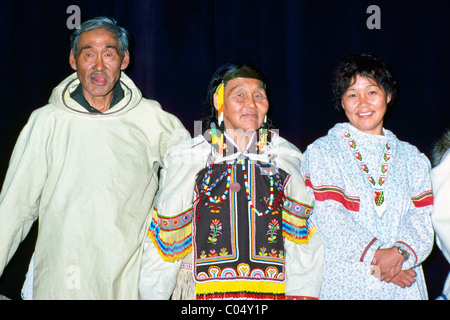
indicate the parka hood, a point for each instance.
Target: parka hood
{"x":61,"y":98}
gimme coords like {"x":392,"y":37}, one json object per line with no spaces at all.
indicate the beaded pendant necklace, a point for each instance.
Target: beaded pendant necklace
{"x":378,"y":186}
{"x":217,"y":201}
{"x":247,"y":189}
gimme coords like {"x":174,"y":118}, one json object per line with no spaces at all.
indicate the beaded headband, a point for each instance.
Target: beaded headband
{"x":244,"y":72}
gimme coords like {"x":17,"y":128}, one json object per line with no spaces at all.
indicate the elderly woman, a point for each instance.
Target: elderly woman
{"x":231,"y":218}
{"x":373,"y":198}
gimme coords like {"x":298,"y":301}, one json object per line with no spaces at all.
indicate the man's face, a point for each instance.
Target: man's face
{"x":98,"y":63}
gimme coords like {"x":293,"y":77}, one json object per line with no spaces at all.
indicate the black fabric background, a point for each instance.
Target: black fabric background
{"x":179,"y":43}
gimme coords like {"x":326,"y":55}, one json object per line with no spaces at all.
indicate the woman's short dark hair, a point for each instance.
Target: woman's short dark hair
{"x":366,"y":65}
{"x":225,"y":73}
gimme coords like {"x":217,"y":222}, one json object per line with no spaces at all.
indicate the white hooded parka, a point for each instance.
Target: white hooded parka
{"x":90,"y":179}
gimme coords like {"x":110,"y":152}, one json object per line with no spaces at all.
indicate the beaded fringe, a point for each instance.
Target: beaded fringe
{"x":296,"y":224}
{"x":171,"y":245}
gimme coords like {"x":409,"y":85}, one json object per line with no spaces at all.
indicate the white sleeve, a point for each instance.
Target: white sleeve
{"x":22,"y":187}
{"x":304,"y":268}
{"x":158,"y":277}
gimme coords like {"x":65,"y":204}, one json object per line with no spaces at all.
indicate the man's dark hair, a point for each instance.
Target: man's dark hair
{"x":105,"y":23}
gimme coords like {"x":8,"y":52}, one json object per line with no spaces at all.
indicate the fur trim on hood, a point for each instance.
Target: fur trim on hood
{"x":440,"y":148}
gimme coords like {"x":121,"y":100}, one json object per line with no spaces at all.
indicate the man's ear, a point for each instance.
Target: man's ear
{"x":216,"y":100}
{"x":72,"y":61}
{"x":125,"y":61}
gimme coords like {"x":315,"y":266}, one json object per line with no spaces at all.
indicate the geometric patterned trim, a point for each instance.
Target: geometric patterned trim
{"x":172,"y":236}
{"x":240,"y":289}
{"x":175,"y":223}
{"x":297,"y":209}
{"x":295,"y":225}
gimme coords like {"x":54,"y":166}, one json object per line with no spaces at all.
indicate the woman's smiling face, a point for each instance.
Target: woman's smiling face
{"x":365,"y":104}
{"x":245,"y":104}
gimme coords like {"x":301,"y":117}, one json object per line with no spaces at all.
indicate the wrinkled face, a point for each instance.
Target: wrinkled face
{"x":365,"y":104}
{"x":98,"y":62}
{"x":245,"y":104}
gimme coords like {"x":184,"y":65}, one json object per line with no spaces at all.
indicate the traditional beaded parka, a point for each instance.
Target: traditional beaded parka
{"x":232,"y":226}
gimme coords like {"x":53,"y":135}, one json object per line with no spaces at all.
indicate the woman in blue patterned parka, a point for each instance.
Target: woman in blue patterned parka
{"x":373,"y":199}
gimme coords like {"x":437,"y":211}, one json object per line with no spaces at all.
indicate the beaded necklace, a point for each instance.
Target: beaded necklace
{"x":247,"y":189}
{"x":378,"y":186}
{"x":217,"y":201}
{"x":207,"y":178}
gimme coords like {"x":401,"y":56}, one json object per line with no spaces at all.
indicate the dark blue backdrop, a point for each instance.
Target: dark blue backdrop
{"x":179,"y":44}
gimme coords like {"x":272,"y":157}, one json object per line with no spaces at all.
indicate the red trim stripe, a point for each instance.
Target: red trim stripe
{"x":322,"y":193}
{"x":301,"y":298}
{"x":424,"y":199}
{"x":367,"y":248}
{"x":415,"y":255}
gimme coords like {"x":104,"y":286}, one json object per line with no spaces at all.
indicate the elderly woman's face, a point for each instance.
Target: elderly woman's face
{"x":98,"y":62}
{"x":245,"y":104}
{"x":365,"y":104}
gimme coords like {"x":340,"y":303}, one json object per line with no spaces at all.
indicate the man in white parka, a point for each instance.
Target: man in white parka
{"x":440,"y":178}
{"x":87,"y":166}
